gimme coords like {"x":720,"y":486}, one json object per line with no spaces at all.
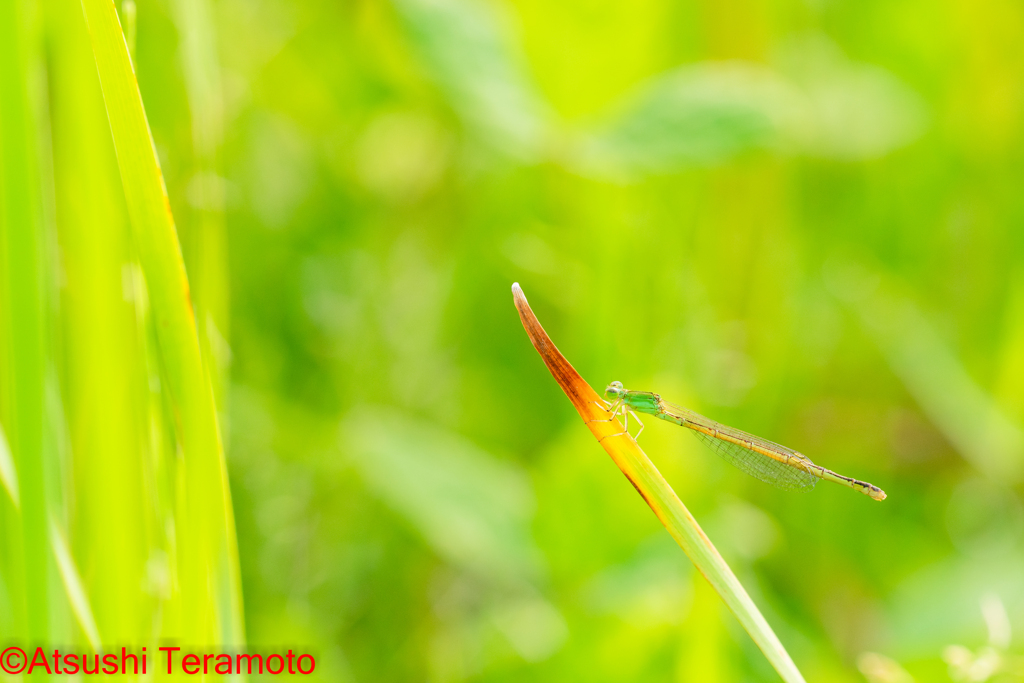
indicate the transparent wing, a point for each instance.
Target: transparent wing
{"x":760,"y":466}
{"x":742,"y":454}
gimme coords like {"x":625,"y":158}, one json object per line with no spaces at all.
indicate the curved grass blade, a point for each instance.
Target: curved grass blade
{"x":209,"y":574}
{"x":204,"y":238}
{"x":648,"y":481}
{"x":107,"y":458}
{"x":72,"y":580}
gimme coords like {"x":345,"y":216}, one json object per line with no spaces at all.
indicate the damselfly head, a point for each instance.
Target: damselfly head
{"x":614,"y":390}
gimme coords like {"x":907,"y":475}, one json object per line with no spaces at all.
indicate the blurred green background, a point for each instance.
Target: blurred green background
{"x":802,"y":218}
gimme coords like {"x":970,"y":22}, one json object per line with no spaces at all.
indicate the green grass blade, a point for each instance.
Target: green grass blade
{"x":8,"y":475}
{"x":73,"y":586}
{"x":209,"y":558}
{"x":648,"y":481}
{"x":101,"y":355}
{"x":205,"y":241}
{"x":25,"y":268}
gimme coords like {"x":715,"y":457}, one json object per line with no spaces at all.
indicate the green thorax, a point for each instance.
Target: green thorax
{"x":650,"y":403}
{"x":643,"y":401}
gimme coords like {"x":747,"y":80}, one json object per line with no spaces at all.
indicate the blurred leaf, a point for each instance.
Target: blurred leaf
{"x":281,"y":169}
{"x":466,"y":51}
{"x":939,"y":604}
{"x":706,"y":113}
{"x":997,"y":620}
{"x":533,"y":626}
{"x":747,"y":531}
{"x":881,"y":669}
{"x":473,"y":509}
{"x":402,"y":155}
{"x":652,"y":589}
{"x":1009,"y":385}
{"x":968,"y":667}
{"x":855,"y":111}
{"x":695,"y":116}
{"x":984,"y":515}
{"x":966,"y":414}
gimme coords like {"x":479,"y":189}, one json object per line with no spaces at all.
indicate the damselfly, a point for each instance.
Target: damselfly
{"x":758,"y":457}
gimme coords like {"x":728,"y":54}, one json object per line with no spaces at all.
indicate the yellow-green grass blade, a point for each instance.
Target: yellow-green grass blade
{"x":8,"y":474}
{"x":207,"y":553}
{"x":203,"y":235}
{"x":72,"y":581}
{"x":645,"y":477}
{"x":206,"y":239}
{"x":110,"y":522}
{"x":25,"y":538}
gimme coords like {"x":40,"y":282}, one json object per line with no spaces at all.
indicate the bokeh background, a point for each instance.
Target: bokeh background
{"x":799,"y":217}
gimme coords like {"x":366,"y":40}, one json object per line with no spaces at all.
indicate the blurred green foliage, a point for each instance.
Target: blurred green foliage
{"x":799,"y":218}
